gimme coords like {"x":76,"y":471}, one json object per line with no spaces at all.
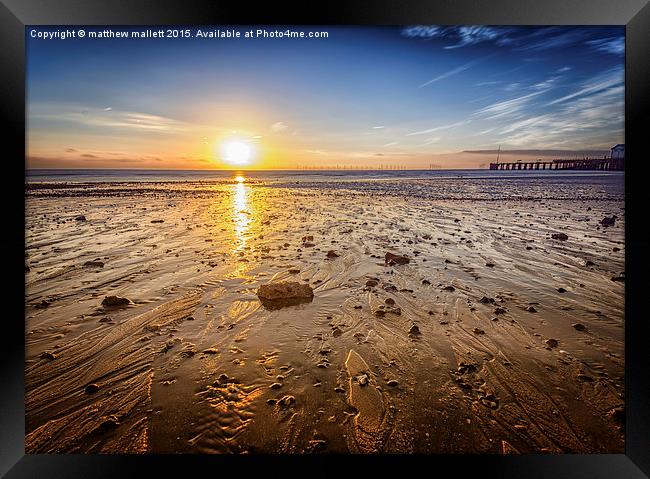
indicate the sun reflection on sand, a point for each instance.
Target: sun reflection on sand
{"x":241,"y":213}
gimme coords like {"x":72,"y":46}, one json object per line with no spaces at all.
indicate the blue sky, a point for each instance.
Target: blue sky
{"x":410,"y":96}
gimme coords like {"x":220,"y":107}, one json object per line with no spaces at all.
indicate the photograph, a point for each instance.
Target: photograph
{"x":346,"y":239}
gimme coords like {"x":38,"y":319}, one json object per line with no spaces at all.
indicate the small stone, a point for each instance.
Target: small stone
{"x":393,"y":383}
{"x":211,"y":351}
{"x":48,"y":355}
{"x":414,"y":330}
{"x":271,"y":402}
{"x":499,"y":311}
{"x":608,"y":220}
{"x":579,"y":327}
{"x":449,"y":288}
{"x":114,"y":301}
{"x":478,"y":331}
{"x":559,"y":236}
{"x":551,"y":343}
{"x":42,"y":305}
{"x":561,"y":290}
{"x":287,"y":401}
{"x":389,"y":301}
{"x":531,"y":309}
{"x":489,"y":265}
{"x":362,"y":380}
{"x":157,"y":221}
{"x":80,"y":218}
{"x":332,"y":254}
{"x":98,"y":264}
{"x":486,"y":300}
{"x":91,"y":388}
{"x":395,"y":259}
{"x":276,"y":386}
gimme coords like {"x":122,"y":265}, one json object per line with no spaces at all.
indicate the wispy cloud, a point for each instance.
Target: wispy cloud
{"x":449,"y":73}
{"x":611,"y":78}
{"x":439,"y":128}
{"x":279,"y":127}
{"x":614,"y":45}
{"x":107,"y":119}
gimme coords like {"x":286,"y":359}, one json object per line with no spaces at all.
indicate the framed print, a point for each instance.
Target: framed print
{"x":377,"y":233}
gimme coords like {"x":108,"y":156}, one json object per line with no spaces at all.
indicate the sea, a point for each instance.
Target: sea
{"x":436,"y":184}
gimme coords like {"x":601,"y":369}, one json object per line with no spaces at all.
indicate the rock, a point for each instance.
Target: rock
{"x":307,"y":238}
{"x":80,"y":218}
{"x":478,"y":331}
{"x":531,"y":309}
{"x":336,"y":332}
{"x":394,"y":259}
{"x":276,"y":386}
{"x":489,"y":265}
{"x":92,"y":388}
{"x":500,"y":311}
{"x":608,"y":220}
{"x":389,"y":301}
{"x":449,"y":288}
{"x":589,"y":263}
{"x":286,"y":401}
{"x":559,"y":236}
{"x":48,"y":355}
{"x":362,"y":380}
{"x":109,"y":422}
{"x":157,"y":221}
{"x":490,"y":401}
{"x":294,"y":271}
{"x":332,"y":254}
{"x":393,"y":383}
{"x":285,"y":290}
{"x":115,"y":301}
{"x":618,"y":415}
{"x":551,"y":343}
{"x":486,"y":300}
{"x":561,"y":290}
{"x":426,"y":282}
{"x":620,"y":278}
{"x":42,"y":305}
{"x":211,"y":351}
{"x":371,"y":283}
{"x":96,"y":263}
{"x":380,"y":313}
{"x":579,"y":327}
{"x":271,"y":402}
{"x":308,"y":244}
{"x":414,"y":330}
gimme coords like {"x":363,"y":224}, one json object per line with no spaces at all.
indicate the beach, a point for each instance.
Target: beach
{"x":452,"y":312}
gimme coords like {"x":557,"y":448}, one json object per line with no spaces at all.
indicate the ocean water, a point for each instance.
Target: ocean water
{"x":435,"y":184}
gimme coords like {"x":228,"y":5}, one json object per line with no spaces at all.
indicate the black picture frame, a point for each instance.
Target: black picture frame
{"x":16,"y":14}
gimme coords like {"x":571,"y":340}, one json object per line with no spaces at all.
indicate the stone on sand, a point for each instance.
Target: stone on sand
{"x":115,"y":301}
{"x":285,"y":290}
{"x":559,"y":236}
{"x":393,"y":259}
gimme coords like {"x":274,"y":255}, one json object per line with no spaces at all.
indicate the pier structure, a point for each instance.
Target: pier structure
{"x":602,"y":164}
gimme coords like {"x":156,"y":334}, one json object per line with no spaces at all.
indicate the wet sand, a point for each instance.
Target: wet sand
{"x":473,"y":346}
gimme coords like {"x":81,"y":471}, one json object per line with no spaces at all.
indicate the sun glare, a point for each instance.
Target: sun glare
{"x":236,"y":152}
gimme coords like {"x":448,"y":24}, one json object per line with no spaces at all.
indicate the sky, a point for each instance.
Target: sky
{"x":371,"y":97}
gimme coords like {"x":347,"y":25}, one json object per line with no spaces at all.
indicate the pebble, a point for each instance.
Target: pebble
{"x":414,"y":329}
{"x":551,"y":343}
{"x":92,"y":388}
{"x":579,"y":327}
{"x":393,"y":383}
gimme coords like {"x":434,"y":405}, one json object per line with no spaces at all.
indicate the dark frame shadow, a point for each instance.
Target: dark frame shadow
{"x":634,"y":14}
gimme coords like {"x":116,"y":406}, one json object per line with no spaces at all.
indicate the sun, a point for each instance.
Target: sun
{"x":236,"y":152}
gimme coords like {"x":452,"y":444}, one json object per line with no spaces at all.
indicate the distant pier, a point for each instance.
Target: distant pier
{"x":598,"y":164}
